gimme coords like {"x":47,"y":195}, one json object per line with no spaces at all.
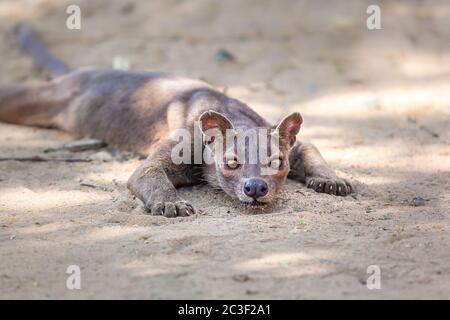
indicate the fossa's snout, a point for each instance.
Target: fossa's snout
{"x":255,"y":188}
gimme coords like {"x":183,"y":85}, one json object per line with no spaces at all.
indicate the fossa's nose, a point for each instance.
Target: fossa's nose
{"x":255,"y":188}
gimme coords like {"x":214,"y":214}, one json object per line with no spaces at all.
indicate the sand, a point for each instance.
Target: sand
{"x":376,"y":103}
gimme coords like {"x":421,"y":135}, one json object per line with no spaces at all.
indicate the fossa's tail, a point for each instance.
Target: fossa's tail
{"x":31,"y":44}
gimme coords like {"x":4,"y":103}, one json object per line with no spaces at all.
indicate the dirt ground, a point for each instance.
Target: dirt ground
{"x":376,"y":103}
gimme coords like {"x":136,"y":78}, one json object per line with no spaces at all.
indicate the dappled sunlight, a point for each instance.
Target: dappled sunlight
{"x":116,"y":173}
{"x":375,"y":103}
{"x":143,"y":269}
{"x":286,"y":263}
{"x":22,"y":11}
{"x":420,"y":65}
{"x":377,"y":180}
{"x":44,"y":229}
{"x":429,"y":160}
{"x":391,"y":100}
{"x":147,"y":267}
{"x":108,"y":233}
{"x":19,"y":199}
{"x":30,"y":142}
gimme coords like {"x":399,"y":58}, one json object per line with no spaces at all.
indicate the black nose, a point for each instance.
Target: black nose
{"x":255,"y":188}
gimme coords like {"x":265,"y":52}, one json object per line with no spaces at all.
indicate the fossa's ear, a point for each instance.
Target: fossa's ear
{"x":213,"y":123}
{"x":288,"y":128}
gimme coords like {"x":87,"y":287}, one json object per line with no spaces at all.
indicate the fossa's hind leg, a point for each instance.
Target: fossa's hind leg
{"x":32,"y":106}
{"x":36,"y":105}
{"x":308,"y":166}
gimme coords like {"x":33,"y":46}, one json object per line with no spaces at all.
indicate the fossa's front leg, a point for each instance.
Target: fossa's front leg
{"x":308,"y":166}
{"x":156,"y":180}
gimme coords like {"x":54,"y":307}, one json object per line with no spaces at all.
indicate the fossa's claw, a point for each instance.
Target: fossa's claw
{"x":332,"y":185}
{"x":170,"y":209}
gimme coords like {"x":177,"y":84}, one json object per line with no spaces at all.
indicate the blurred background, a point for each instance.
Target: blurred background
{"x":291,"y":51}
{"x":275,"y":55}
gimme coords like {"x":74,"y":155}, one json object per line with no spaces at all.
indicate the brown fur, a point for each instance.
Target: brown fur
{"x":138,"y":111}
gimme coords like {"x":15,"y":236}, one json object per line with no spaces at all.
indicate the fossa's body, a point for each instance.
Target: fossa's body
{"x":138,"y":111}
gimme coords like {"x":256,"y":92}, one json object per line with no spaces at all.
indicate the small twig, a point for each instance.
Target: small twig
{"x":88,"y":185}
{"x":423,"y":128}
{"x":429,"y":131}
{"x":96,"y":187}
{"x":40,"y":159}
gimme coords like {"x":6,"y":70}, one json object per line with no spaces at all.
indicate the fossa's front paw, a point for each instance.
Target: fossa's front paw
{"x":170,"y":209}
{"x":331,"y":185}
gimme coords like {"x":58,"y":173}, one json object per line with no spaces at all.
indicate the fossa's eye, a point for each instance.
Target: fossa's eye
{"x":232,"y":164}
{"x":277,"y":164}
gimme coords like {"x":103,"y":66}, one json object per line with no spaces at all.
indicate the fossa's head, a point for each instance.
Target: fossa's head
{"x":248,"y":164}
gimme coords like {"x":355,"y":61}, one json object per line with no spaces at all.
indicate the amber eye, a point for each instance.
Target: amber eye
{"x":276,"y":164}
{"x":232,"y":164}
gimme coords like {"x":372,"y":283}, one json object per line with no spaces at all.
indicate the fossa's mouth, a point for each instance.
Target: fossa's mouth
{"x":257,"y":207}
{"x":252,"y":201}
{"x":256,"y":203}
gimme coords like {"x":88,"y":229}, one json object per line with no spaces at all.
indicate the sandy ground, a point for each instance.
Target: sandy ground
{"x":377,"y":104}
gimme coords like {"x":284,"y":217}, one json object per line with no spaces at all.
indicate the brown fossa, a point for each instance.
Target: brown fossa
{"x":139,"y":111}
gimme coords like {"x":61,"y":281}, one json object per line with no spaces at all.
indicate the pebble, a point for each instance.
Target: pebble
{"x":224,"y":55}
{"x":241,"y":278}
{"x":418,"y":201}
